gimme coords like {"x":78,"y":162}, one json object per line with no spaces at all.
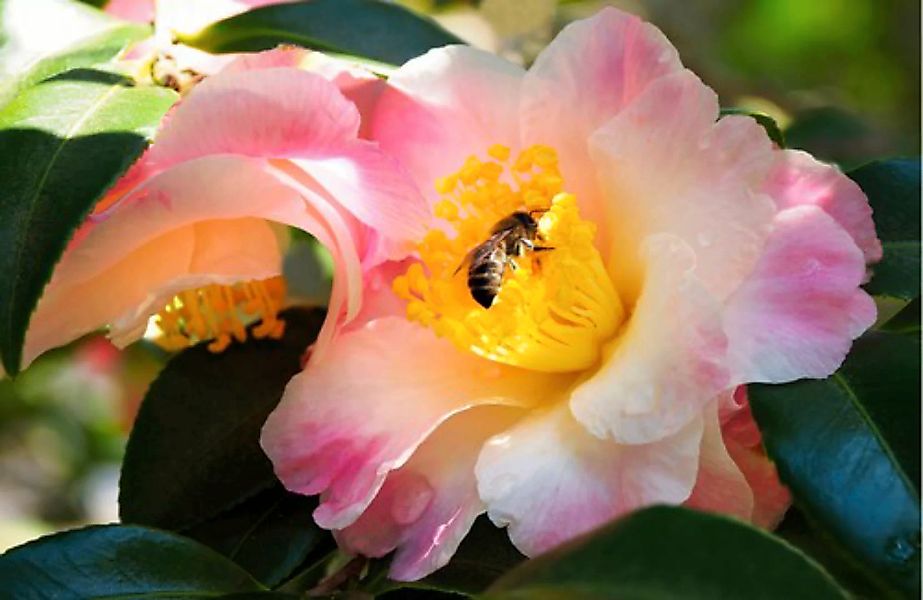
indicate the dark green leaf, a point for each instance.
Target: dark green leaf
{"x":848,"y":447}
{"x":194,"y":449}
{"x":63,"y":143}
{"x":907,"y":320}
{"x":371,"y":29}
{"x":670,"y":552}
{"x":116,"y":561}
{"x":767,"y":122}
{"x":269,"y":535}
{"x":90,"y":52}
{"x":893,"y":189}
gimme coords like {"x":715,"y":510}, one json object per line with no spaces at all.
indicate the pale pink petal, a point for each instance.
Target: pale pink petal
{"x":797,"y":178}
{"x":444,"y":106}
{"x":800,"y":309}
{"x":426,"y":507}
{"x":668,"y":364}
{"x":591,"y":71}
{"x":549,"y":480}
{"x":720,"y":486}
{"x":200,"y":222}
{"x":301,"y":116}
{"x":362,"y":409}
{"x":667,"y":166}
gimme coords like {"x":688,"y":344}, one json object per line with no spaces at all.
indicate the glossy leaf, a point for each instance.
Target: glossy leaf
{"x":63,"y":143}
{"x":848,"y":447}
{"x":670,"y":552}
{"x":372,"y":29}
{"x":765,"y":121}
{"x":116,"y":561}
{"x":90,"y":52}
{"x":893,"y":190}
{"x":194,"y":449}
{"x":31,"y":30}
{"x":907,"y":320}
{"x":269,"y":535}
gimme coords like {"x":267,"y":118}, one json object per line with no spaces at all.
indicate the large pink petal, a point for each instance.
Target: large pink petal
{"x":444,"y":106}
{"x":667,"y":166}
{"x":204,"y":221}
{"x":591,"y":71}
{"x":362,"y":409}
{"x":797,"y":178}
{"x":301,"y":116}
{"x":720,"y":486}
{"x":668,"y":364}
{"x":141,"y":11}
{"x":549,"y":480}
{"x":800,"y":309}
{"x":426,"y":507}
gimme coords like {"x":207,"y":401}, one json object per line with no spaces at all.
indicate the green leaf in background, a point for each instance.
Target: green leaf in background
{"x":670,"y":552}
{"x":63,"y":143}
{"x":767,"y":122}
{"x":907,"y":320}
{"x":89,"y":52}
{"x":269,"y":535}
{"x":848,"y":447}
{"x":194,"y":450}
{"x":371,"y":29}
{"x":116,"y":561}
{"x":31,"y":30}
{"x":893,"y":189}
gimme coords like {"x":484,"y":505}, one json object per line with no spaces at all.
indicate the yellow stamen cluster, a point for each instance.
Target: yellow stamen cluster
{"x":553,"y":310}
{"x":221,"y":313}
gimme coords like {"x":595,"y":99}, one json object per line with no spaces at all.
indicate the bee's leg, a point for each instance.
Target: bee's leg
{"x":542,"y":248}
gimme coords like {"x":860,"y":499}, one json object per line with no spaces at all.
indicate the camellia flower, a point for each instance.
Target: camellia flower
{"x":664,"y":258}
{"x":191,"y":234}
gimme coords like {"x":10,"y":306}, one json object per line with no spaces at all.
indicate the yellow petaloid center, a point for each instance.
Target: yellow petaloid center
{"x":221,"y":313}
{"x":553,"y":302}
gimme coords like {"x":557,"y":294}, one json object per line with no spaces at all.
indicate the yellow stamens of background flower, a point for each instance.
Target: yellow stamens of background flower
{"x":221,"y":313}
{"x":555,"y":309}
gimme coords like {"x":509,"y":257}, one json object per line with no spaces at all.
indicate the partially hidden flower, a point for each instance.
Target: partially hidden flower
{"x":671,"y":257}
{"x":193,"y":234}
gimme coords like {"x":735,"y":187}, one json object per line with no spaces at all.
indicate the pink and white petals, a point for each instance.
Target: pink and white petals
{"x":363,"y":408}
{"x":668,"y":364}
{"x":444,"y":106}
{"x":591,"y":71}
{"x":797,"y":179}
{"x":667,"y":166}
{"x":798,"y":313}
{"x":426,"y":507}
{"x":549,"y":480}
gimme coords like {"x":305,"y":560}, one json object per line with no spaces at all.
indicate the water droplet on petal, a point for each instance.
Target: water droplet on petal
{"x":704,"y":240}
{"x":413,"y":499}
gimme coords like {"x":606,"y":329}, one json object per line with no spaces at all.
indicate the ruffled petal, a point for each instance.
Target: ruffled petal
{"x":800,"y":309}
{"x":668,"y":364}
{"x":302,"y":116}
{"x":426,"y":507}
{"x":720,"y":486}
{"x":548,"y":480}
{"x":444,"y":106}
{"x":667,"y":166}
{"x":362,"y":409}
{"x":201,"y":222}
{"x":797,"y":178}
{"x":591,"y":71}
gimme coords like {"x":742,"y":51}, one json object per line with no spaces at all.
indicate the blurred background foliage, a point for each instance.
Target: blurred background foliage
{"x":841,"y":77}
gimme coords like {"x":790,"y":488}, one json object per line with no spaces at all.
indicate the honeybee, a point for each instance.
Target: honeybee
{"x":511,"y":236}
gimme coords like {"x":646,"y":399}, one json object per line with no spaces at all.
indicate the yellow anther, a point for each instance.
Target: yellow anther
{"x":553,"y":312}
{"x":220,"y":313}
{"x":499,"y":152}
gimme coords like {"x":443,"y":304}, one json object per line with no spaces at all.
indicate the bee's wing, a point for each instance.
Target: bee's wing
{"x":490,"y":244}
